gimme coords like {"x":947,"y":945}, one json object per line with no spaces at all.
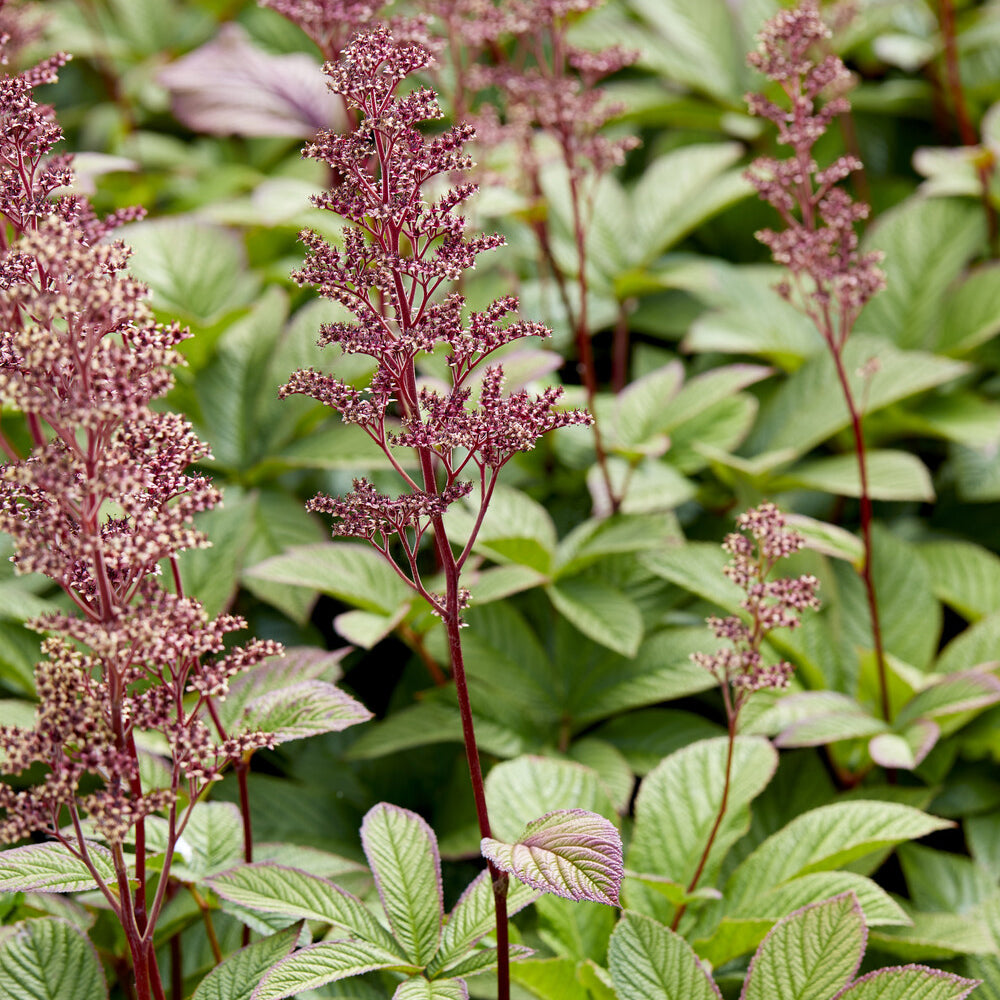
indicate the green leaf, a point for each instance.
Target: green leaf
{"x":809,"y":407}
{"x":963,"y":575}
{"x":212,"y":840}
{"x":353,"y":573}
{"x":575,"y":930}
{"x":827,"y":838}
{"x":973,"y":313}
{"x":638,"y":405}
{"x":287,"y":892}
{"x":905,"y":750}
{"x":548,"y":979}
{"x":811,"y":954}
{"x":647,"y":736}
{"x":49,"y":959}
{"x":324,"y":963}
{"x":195,"y":271}
{"x":473,"y":917}
{"x":936,"y":936}
{"x":678,"y":804}
{"x":601,"y":612}
{"x":909,"y":983}
{"x":569,"y":852}
{"x":516,"y":529}
{"x":963,"y":692}
{"x":892,"y":475}
{"x":51,"y":868}
{"x":611,"y":766}
{"x":237,"y":977}
{"x":520,"y":790}
{"x":307,"y":708}
{"x":927,"y":243}
{"x":419,"y":988}
{"x":650,"y":962}
{"x":977,"y":645}
{"x":706,"y":390}
{"x":403,"y":853}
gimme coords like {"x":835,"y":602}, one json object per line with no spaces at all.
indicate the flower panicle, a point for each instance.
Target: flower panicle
{"x":763,"y":539}
{"x":819,"y":244}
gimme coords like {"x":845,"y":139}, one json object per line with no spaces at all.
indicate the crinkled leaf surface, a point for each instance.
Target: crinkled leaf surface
{"x":419,"y":988}
{"x":49,"y":959}
{"x":570,"y":852}
{"x":810,"y":954}
{"x":912,"y":982}
{"x":51,"y":868}
{"x":650,"y":962}
{"x":238,"y":976}
{"x":307,"y":708}
{"x":403,"y":853}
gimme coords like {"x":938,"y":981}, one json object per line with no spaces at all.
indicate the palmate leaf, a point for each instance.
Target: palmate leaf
{"x":650,"y":962}
{"x":403,"y":853}
{"x":49,"y":959}
{"x":324,"y":963}
{"x":678,"y":804}
{"x":570,"y":852}
{"x":810,"y":954}
{"x":237,"y":977}
{"x":51,"y":868}
{"x":288,"y":892}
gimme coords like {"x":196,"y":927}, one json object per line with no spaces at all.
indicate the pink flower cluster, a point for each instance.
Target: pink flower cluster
{"x":401,"y":248}
{"x":763,"y":539}
{"x":100,"y":502}
{"x":831,"y":278}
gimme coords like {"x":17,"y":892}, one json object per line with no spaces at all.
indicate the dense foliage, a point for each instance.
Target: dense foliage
{"x":660,"y":484}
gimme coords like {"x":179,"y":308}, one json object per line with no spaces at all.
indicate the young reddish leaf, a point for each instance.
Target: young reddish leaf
{"x":570,"y":852}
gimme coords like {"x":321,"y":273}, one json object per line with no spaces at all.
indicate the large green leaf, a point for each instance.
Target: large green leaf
{"x":647,"y":736}
{"x":570,"y":852}
{"x":811,"y":954}
{"x":49,"y":959}
{"x":601,"y":612}
{"x":307,"y":708}
{"x":909,"y":983}
{"x":353,"y":573}
{"x":827,"y":838}
{"x":213,"y":840}
{"x":963,"y":575}
{"x":809,"y":407}
{"x":473,"y":917}
{"x":650,"y":962}
{"x":977,"y":645}
{"x":927,"y":243}
{"x":288,"y":892}
{"x":237,"y":977}
{"x":518,"y":791}
{"x":195,"y":271}
{"x":403,"y":853}
{"x":51,"y":868}
{"x":419,"y":988}
{"x":323,"y":963}
{"x":973,"y":313}
{"x":678,"y":805}
{"x":938,"y":881}
{"x":892,"y":475}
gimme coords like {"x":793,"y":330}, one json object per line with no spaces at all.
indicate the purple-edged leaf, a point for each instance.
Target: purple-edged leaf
{"x":473,"y":917}
{"x":49,"y":959}
{"x":324,"y":963}
{"x":650,"y":962}
{"x":403,"y":853}
{"x":909,"y":982}
{"x":299,"y":664}
{"x":419,"y":988}
{"x":51,"y":868}
{"x":231,"y":87}
{"x":905,"y":750}
{"x":287,"y":892}
{"x":570,"y":852}
{"x":237,"y":977}
{"x":958,"y":693}
{"x":304,"y":709}
{"x":810,"y":954}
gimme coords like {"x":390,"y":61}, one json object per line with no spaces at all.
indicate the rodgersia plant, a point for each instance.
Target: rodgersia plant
{"x":403,"y":244}
{"x":830,"y":279}
{"x":100,"y":504}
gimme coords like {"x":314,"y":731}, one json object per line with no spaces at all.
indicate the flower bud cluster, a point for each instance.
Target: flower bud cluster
{"x":399,"y":250}
{"x":762,"y":540}
{"x":819,"y":245}
{"x":100,"y":502}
